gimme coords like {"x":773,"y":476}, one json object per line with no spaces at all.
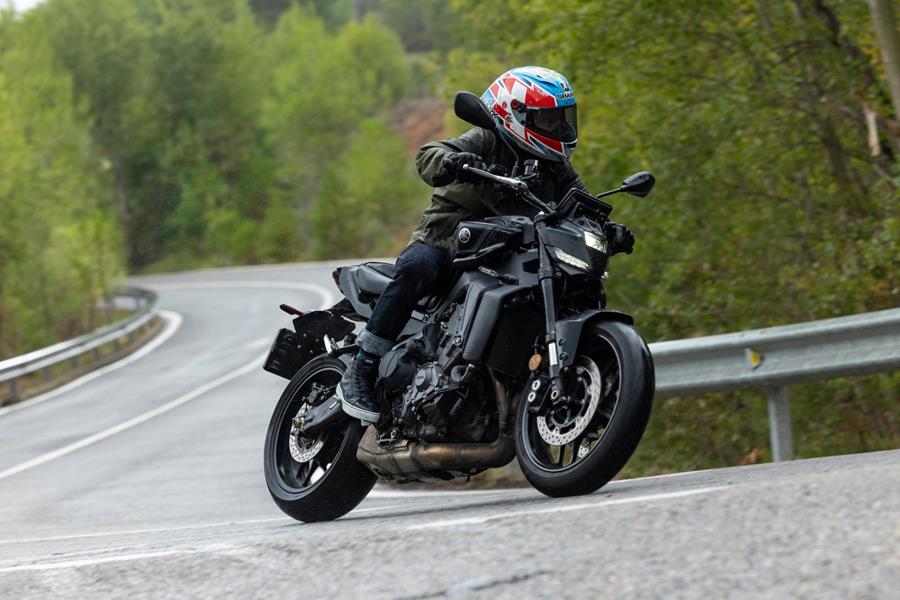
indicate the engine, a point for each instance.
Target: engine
{"x":432,"y":397}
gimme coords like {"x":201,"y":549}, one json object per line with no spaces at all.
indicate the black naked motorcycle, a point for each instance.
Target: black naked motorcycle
{"x":517,"y":357}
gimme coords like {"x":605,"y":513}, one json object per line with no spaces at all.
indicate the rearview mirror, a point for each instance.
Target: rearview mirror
{"x":471,"y":109}
{"x":639,"y":184}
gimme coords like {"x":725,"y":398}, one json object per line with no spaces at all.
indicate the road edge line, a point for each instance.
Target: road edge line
{"x":173,"y":323}
{"x":133,"y":422}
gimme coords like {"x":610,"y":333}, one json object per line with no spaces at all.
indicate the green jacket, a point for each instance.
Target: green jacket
{"x":457,"y":201}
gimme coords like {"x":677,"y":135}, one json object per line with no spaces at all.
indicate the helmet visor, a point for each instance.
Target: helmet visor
{"x":559,"y":123}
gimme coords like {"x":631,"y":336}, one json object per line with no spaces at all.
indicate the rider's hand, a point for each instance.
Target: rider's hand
{"x":619,"y":238}
{"x":453,"y":165}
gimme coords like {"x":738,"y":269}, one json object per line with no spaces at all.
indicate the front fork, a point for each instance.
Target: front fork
{"x":545,"y":277}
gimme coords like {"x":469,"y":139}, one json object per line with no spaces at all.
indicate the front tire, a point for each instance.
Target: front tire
{"x":332,"y":482}
{"x":613,"y":357}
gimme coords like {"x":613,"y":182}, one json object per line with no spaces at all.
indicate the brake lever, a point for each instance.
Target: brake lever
{"x":517,"y":185}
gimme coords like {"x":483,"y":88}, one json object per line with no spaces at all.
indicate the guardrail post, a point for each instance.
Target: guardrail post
{"x":780,"y":433}
{"x":13,"y":390}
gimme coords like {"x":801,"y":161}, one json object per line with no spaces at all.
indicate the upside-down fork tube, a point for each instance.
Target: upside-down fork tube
{"x":545,"y":276}
{"x":419,"y":457}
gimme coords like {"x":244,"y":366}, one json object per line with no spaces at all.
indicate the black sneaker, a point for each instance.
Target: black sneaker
{"x":357,"y":389}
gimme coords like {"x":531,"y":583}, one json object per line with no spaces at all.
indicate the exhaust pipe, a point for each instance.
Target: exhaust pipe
{"x":408,"y":457}
{"x":417,"y":457}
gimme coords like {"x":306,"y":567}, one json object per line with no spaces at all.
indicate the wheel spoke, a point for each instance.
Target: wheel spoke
{"x":299,"y":475}
{"x":307,"y":470}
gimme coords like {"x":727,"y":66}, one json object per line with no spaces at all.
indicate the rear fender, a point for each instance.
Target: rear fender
{"x":293,"y":349}
{"x":568,"y":331}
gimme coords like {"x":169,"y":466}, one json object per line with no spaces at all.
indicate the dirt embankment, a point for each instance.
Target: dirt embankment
{"x":419,"y":120}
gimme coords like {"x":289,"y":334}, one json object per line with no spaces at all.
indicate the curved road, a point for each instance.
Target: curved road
{"x":145,"y":480}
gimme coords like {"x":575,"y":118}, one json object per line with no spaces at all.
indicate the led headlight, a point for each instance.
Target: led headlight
{"x":595,"y":241}
{"x":571,"y":260}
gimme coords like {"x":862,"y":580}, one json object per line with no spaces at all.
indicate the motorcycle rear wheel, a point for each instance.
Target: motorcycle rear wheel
{"x":623,"y":370}
{"x":332,"y":482}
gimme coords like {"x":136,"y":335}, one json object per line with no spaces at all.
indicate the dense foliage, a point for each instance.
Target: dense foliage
{"x":773,"y":205}
{"x":59,"y":240}
{"x":163,"y":134}
{"x":187,"y":132}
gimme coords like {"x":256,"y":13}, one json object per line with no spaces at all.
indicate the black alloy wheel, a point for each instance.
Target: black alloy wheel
{"x":316,"y":478}
{"x":576,"y":448}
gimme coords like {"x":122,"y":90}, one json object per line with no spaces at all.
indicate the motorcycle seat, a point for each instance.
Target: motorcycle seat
{"x":374,"y":277}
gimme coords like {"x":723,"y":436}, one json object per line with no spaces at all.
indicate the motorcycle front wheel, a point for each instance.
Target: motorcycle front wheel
{"x":318,"y":478}
{"x":577,"y":448}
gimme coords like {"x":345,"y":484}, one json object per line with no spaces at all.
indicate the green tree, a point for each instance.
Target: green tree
{"x":323,"y":87}
{"x":59,"y":249}
{"x":777,"y":197}
{"x":368,"y":198}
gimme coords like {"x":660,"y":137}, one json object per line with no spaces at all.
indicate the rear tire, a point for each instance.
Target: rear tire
{"x":333,"y":482}
{"x":619,"y":432}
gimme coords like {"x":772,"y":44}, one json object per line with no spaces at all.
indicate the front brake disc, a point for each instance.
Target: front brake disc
{"x":556,"y":435}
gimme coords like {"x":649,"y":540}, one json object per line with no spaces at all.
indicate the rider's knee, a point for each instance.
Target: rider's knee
{"x":421,"y":266}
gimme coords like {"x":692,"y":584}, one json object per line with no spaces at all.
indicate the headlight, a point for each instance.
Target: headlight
{"x":595,"y":241}
{"x":571,"y":260}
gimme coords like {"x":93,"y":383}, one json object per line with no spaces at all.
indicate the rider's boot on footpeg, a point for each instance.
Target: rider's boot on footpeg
{"x":357,"y":388}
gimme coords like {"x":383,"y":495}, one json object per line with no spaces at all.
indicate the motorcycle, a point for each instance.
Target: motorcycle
{"x":518,"y":357}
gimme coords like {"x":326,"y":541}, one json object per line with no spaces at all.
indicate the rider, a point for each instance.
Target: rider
{"x":534,"y":109}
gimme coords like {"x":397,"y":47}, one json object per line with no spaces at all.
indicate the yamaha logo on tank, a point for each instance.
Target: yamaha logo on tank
{"x":465,"y":235}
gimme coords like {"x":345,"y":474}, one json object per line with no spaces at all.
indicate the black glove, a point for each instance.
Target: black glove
{"x":453,"y":166}
{"x":619,"y":238}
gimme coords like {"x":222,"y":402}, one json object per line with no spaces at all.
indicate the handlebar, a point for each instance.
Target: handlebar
{"x":519,"y":186}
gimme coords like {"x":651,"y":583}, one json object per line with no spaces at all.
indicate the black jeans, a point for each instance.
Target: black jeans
{"x":419,"y":271}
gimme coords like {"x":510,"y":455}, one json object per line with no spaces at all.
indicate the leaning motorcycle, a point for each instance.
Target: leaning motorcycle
{"x":517,"y":357}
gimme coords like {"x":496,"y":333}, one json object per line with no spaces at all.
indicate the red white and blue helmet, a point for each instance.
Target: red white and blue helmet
{"x":535,"y":109}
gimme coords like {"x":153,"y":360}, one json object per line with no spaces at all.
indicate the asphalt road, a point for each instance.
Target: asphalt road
{"x":145,"y":480}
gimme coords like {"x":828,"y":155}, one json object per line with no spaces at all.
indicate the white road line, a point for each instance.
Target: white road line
{"x":125,"y":532}
{"x":87,"y":562}
{"x":173,"y":322}
{"x":328,"y":297}
{"x":439,"y":493}
{"x":327,"y":264}
{"x":561,"y":509}
{"x":662,"y":476}
{"x":71,"y":564}
{"x":221,"y":524}
{"x":106,"y":433}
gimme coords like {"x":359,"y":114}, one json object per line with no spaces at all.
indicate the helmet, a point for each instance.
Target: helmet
{"x":535,"y":108}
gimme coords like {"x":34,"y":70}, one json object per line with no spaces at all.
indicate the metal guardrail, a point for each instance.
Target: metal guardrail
{"x":40,"y":360}
{"x":771,"y":358}
{"x":775,"y":357}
